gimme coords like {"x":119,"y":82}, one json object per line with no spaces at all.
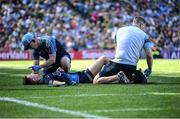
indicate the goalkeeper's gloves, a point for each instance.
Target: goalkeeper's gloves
{"x":147,"y":73}
{"x":36,"y":68}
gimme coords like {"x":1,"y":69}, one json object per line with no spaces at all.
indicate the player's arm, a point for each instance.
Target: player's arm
{"x":50,"y":61}
{"x":148,"y":50}
{"x":35,"y":61}
{"x":51,"y":47}
{"x":149,"y":58}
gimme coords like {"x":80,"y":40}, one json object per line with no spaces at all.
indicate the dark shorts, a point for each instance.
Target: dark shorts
{"x":85,"y":76}
{"x":54,"y":66}
{"x":113,"y":68}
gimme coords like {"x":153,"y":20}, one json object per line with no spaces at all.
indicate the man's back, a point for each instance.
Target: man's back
{"x":129,"y":42}
{"x":49,"y":45}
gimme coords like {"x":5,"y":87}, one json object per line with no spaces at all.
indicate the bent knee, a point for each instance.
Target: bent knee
{"x":105,"y":59}
{"x":97,"y":81}
{"x":65,"y":64}
{"x":66,"y":67}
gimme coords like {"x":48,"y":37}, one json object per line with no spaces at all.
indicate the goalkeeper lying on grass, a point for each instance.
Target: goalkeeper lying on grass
{"x":87,"y":76}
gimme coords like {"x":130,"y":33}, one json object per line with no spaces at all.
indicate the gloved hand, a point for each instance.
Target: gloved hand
{"x":147,"y":73}
{"x":36,"y":68}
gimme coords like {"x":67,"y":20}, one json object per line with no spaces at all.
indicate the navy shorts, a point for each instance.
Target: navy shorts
{"x":112,"y":68}
{"x":54,"y":66}
{"x":85,"y":76}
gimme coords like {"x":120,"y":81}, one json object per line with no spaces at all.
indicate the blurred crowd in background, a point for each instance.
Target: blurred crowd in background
{"x":87,"y":24}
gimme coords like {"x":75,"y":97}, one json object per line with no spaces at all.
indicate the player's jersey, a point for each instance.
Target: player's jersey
{"x":130,"y":41}
{"x":49,"y":45}
{"x":79,"y":77}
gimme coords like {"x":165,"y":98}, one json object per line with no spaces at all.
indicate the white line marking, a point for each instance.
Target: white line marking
{"x":99,"y":95}
{"x":133,"y":109}
{"x":85,"y":95}
{"x":163,"y":93}
{"x":4,"y":73}
{"x":54,"y":109}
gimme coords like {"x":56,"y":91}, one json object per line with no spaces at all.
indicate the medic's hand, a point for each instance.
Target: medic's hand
{"x":60,"y":69}
{"x":35,"y":68}
{"x":147,"y":73}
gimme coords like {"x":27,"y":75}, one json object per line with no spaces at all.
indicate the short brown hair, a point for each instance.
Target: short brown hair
{"x":139,"y":19}
{"x":28,"y":81}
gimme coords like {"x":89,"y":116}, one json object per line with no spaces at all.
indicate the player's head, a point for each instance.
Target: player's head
{"x":29,"y":41}
{"x":138,"y":77}
{"x":31,"y":79}
{"x":139,"y":21}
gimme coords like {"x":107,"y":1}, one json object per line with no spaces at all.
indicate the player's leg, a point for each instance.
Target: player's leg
{"x":105,"y":74}
{"x":118,"y":78}
{"x":65,"y":62}
{"x":88,"y":75}
{"x":111,"y":73}
{"x":98,"y":64}
{"x":105,"y":80}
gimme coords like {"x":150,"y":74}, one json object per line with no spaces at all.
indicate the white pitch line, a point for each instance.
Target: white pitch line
{"x":54,"y":109}
{"x":164,"y":93}
{"x":4,"y":73}
{"x":99,"y":95}
{"x":133,"y":109}
{"x":85,"y":95}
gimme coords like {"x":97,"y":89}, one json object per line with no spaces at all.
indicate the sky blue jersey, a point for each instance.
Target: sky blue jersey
{"x":130,"y":41}
{"x":48,"y":46}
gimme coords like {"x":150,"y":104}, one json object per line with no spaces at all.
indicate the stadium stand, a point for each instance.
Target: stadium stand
{"x":87,"y":24}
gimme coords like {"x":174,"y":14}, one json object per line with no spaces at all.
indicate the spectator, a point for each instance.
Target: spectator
{"x":60,"y":19}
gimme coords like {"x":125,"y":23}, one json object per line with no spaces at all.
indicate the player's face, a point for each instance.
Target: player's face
{"x":34,"y":44}
{"x":33,"y":78}
{"x":142,"y":25}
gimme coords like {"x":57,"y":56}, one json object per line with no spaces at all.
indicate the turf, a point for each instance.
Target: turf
{"x":158,"y":99}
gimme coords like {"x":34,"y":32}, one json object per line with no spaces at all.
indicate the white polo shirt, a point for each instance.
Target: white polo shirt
{"x":130,"y":40}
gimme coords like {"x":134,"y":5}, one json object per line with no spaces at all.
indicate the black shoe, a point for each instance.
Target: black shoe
{"x":122,"y":78}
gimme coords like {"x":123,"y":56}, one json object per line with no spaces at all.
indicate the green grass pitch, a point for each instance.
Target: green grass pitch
{"x":158,"y":99}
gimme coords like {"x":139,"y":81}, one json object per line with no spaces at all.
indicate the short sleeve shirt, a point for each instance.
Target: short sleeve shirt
{"x":48,"y":46}
{"x":130,"y":41}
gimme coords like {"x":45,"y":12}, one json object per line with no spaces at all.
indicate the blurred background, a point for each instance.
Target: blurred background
{"x":88,"y":26}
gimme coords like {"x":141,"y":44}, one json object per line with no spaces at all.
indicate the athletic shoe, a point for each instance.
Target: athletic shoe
{"x":73,"y":83}
{"x":50,"y":84}
{"x":122,"y":78}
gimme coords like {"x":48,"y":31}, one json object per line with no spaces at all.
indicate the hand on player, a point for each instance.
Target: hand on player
{"x":60,"y":69}
{"x":36,"y":68}
{"x":147,"y":73}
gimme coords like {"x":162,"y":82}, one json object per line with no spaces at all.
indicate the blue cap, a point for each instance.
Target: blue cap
{"x":26,"y":40}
